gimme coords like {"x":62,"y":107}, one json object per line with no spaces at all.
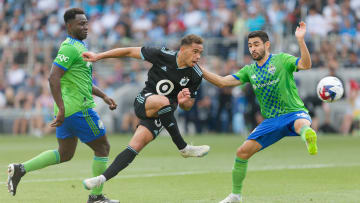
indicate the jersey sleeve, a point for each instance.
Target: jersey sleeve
{"x":66,"y":56}
{"x":150,"y":54}
{"x":290,"y":62}
{"x":242,"y":75}
{"x":195,"y":88}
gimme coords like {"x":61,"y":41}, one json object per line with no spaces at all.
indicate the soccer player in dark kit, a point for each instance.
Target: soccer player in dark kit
{"x":173,"y":80}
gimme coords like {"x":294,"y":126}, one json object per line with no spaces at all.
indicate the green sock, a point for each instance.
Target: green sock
{"x":238,"y":174}
{"x":42,"y":160}
{"x":302,"y":132}
{"x":98,"y":168}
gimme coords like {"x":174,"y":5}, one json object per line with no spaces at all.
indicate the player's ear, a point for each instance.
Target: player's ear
{"x":267,"y":45}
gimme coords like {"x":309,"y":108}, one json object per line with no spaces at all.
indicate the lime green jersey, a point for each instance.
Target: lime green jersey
{"x":274,"y":85}
{"x":76,"y":83}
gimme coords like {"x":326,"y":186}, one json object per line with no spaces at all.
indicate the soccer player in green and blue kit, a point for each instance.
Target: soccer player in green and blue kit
{"x":72,"y":89}
{"x":271,"y":77}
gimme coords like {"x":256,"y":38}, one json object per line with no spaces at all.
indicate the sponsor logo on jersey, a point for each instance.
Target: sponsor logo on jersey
{"x":184,"y":81}
{"x":164,"y":68}
{"x":255,"y":86}
{"x":164,"y":87}
{"x":271,"y":69}
{"x":62,"y":58}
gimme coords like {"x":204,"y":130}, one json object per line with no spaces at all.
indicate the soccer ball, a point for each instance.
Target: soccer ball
{"x":330,"y":89}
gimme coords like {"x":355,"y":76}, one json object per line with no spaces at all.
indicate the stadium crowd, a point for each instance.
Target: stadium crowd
{"x":31,"y":32}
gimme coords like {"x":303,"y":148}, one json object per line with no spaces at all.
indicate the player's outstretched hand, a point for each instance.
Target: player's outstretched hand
{"x":110,"y":102}
{"x":300,"y":30}
{"x":184,"y":95}
{"x":60,"y":117}
{"x":89,"y":56}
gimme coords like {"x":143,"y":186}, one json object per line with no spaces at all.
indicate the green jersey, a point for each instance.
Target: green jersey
{"x":76,"y":83}
{"x":274,"y":85}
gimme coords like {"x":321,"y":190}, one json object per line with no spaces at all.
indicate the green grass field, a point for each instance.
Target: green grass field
{"x":282,"y":173}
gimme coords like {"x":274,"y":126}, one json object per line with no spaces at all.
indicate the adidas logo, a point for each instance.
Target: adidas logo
{"x":164,"y":68}
{"x":171,"y":124}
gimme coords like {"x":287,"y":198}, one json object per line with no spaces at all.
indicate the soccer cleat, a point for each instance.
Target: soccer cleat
{"x":15,"y":173}
{"x":195,"y":151}
{"x":100,"y":199}
{"x":310,"y":140}
{"x":91,"y":183}
{"x":232,"y":198}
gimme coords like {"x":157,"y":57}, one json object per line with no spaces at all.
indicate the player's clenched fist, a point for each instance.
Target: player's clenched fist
{"x":184,"y":95}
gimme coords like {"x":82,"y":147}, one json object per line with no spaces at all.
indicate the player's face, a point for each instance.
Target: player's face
{"x":79,"y":27}
{"x":257,"y":48}
{"x":192,"y":53}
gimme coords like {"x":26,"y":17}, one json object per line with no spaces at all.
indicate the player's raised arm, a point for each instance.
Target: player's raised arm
{"x":305,"y":60}
{"x":220,"y":81}
{"x":133,"y":52}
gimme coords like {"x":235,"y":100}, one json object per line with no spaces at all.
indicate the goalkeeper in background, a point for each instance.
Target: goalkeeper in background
{"x":273,"y":83}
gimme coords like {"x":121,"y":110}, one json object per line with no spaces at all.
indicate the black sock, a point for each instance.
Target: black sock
{"x":121,"y":161}
{"x":167,"y":119}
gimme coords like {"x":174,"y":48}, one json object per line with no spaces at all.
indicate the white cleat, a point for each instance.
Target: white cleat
{"x":232,"y":198}
{"x":195,"y":151}
{"x":94,"y":182}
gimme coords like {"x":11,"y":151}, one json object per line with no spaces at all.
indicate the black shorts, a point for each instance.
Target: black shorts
{"x":153,"y":124}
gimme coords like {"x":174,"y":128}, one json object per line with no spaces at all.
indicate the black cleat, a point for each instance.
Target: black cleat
{"x":15,"y":173}
{"x":100,"y":199}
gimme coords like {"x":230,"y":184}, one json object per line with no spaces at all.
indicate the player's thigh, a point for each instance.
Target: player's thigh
{"x":141,"y":138}
{"x":67,"y":147}
{"x":154,"y":103}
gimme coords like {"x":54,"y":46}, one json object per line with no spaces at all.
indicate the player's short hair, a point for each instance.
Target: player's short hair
{"x":259,"y":33}
{"x":189,"y":39}
{"x":71,"y":13}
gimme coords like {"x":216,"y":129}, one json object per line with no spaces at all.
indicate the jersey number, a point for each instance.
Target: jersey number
{"x":164,"y":87}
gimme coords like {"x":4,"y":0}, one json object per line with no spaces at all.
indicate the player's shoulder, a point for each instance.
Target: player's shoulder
{"x":167,"y":51}
{"x":197,"y":71}
{"x":68,"y":46}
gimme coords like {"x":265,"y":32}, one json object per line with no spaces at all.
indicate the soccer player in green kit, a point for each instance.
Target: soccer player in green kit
{"x":72,"y":89}
{"x":273,"y":82}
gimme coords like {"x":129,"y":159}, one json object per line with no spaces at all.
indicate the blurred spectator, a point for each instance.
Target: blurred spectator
{"x":352,"y":113}
{"x":353,"y":61}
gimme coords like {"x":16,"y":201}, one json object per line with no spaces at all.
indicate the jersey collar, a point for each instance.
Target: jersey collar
{"x":267,"y":61}
{"x":83,"y":43}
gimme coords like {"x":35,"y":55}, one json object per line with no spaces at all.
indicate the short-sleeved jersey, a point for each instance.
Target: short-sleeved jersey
{"x":274,"y":85}
{"x":165,"y":77}
{"x":76,"y":83}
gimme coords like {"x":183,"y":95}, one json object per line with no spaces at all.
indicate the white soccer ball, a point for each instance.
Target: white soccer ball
{"x":330,"y":89}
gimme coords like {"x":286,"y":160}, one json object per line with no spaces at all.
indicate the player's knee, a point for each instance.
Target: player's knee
{"x":65,"y":156}
{"x":163,"y":101}
{"x":243,"y":153}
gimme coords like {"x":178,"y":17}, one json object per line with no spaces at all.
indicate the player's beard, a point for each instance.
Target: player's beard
{"x":260,"y":55}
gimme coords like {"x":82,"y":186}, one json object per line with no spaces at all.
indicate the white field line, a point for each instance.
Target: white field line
{"x":149,"y":175}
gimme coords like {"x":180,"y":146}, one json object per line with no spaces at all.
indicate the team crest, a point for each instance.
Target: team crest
{"x":271,"y":69}
{"x":184,"y":81}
